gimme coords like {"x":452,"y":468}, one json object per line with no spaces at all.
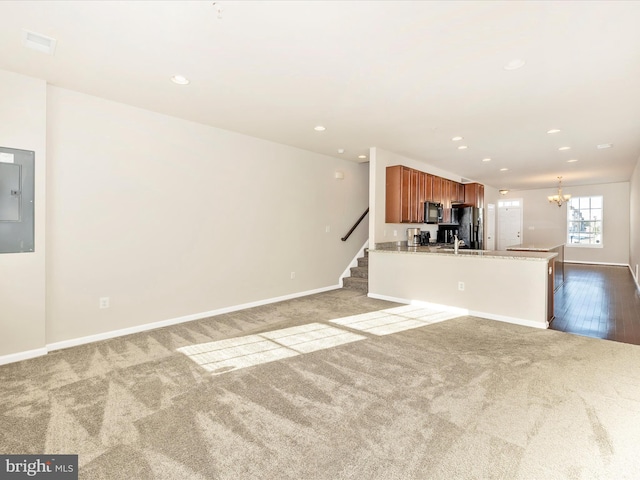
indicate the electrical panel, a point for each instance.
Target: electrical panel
{"x":16,"y":200}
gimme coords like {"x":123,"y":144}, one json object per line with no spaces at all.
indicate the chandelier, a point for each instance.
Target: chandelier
{"x":559,"y":198}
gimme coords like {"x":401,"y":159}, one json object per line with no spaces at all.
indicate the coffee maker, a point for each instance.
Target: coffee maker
{"x":413,"y":237}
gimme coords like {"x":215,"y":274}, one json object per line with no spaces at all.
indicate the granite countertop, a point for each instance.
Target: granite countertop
{"x":534,"y":247}
{"x":401,"y":247}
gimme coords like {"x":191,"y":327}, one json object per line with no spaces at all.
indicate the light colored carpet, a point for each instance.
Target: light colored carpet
{"x":332,"y":386}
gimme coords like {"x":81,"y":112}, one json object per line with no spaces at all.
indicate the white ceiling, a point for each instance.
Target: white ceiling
{"x":402,"y":76}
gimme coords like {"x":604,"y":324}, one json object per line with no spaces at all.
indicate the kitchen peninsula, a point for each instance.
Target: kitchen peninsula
{"x":511,"y":286}
{"x":558,"y":262}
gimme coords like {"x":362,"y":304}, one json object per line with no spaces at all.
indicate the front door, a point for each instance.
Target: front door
{"x":509,"y":223}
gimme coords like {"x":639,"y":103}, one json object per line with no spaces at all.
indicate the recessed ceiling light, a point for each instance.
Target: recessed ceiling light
{"x":341,"y":150}
{"x":456,"y":139}
{"x":605,"y":145}
{"x":554,"y":130}
{"x":362,"y":156}
{"x":573,"y":160}
{"x":504,"y":169}
{"x":564,"y":148}
{"x":39,"y":42}
{"x":486,"y":159}
{"x":462,"y":147}
{"x":180,"y":80}
{"x":319,"y":128}
{"x":514,"y":64}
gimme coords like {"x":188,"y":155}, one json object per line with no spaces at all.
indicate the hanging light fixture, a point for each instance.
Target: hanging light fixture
{"x":559,"y":198}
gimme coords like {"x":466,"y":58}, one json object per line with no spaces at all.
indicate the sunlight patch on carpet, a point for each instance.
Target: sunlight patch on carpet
{"x":235,"y":353}
{"x":393,"y":320}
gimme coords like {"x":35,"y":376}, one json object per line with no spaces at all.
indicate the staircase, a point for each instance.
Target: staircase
{"x":359,"y":279}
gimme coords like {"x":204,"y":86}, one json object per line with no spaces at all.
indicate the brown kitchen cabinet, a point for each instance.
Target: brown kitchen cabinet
{"x":446,"y":200}
{"x":474,"y":194}
{"x":407,"y":189}
{"x":424,"y":193}
{"x":457,"y":193}
{"x":436,"y":189}
{"x":452,"y":194}
{"x":402,"y":186}
{"x":428,"y":187}
{"x":447,"y":190}
{"x":415,"y":216}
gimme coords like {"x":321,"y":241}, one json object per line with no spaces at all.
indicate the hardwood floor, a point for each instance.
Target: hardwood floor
{"x":598,"y":301}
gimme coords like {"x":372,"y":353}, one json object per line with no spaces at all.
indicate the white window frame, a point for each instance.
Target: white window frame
{"x":569,"y":220}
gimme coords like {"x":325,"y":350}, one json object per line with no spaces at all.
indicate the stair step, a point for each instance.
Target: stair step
{"x":360,"y":272}
{"x":355,"y":283}
{"x":363,"y":261}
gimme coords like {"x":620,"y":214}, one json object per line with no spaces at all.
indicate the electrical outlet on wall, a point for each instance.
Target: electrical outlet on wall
{"x":103,"y":302}
{"x":293,"y":275}
{"x":461,"y":286}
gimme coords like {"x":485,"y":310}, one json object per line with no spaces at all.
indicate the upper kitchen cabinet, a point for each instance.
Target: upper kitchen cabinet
{"x":424,"y":193}
{"x":446,"y":200}
{"x":407,"y":189}
{"x":426,"y":188}
{"x":446,"y":193}
{"x":452,"y":194}
{"x":416,"y":214}
{"x":402,"y":185}
{"x":457,"y":193}
{"x":436,"y":189}
{"x":474,"y":195}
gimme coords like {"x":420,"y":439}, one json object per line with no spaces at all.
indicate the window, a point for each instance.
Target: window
{"x":508,"y":203}
{"x":584,"y":222}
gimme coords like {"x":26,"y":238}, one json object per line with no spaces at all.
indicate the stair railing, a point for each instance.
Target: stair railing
{"x":355,"y":225}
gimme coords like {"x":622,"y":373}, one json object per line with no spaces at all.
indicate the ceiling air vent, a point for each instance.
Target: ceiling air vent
{"x":38,"y":42}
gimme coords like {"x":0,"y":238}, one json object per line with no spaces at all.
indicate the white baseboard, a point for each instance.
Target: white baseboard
{"x":174,"y":321}
{"x":438,"y":306}
{"x":517,"y":321}
{"x":597,"y":263}
{"x":18,"y":357}
{"x":463,"y":311}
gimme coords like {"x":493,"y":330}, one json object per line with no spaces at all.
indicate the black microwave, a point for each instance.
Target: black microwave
{"x":432,"y":212}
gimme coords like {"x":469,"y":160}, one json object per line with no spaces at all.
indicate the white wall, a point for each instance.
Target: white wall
{"x":547,"y":223}
{"x":634,"y":220}
{"x":170,"y":218}
{"x":22,"y":275}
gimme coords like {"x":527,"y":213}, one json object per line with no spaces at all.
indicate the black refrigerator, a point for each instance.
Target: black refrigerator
{"x":470,"y":226}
